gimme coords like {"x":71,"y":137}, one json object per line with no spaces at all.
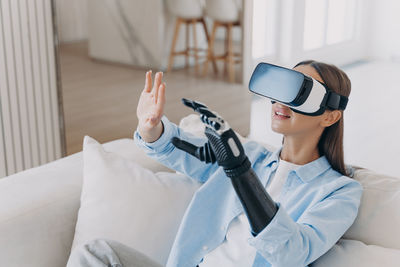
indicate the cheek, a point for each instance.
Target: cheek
{"x":304,"y":122}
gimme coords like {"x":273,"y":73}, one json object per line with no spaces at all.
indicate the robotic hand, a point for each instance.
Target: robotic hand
{"x":224,"y":147}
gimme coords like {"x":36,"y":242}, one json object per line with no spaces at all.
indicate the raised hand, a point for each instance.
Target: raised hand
{"x":151,"y":108}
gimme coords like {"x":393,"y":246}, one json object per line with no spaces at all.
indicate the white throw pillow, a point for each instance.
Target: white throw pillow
{"x":353,"y":253}
{"x":125,"y":202}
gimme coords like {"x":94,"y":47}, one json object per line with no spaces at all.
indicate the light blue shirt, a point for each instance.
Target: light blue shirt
{"x":316,"y":205}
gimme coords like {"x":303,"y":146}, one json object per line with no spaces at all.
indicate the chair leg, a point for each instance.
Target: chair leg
{"x":196,"y":56}
{"x":203,"y":22}
{"x":226,"y":48}
{"x":210,"y":55}
{"x":230,"y":59}
{"x":175,"y":38}
{"x":187,"y":45}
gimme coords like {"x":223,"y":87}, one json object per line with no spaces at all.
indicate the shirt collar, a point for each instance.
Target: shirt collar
{"x":306,"y":172}
{"x":313,"y":169}
{"x":274,"y":157}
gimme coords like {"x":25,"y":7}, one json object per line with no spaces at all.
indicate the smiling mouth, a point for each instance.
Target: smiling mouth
{"x":281,"y":114}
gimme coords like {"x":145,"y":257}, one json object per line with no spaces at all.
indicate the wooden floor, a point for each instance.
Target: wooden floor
{"x":100,"y":98}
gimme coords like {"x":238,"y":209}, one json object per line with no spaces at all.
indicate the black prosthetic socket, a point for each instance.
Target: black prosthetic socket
{"x":257,"y":204}
{"x":225,"y":148}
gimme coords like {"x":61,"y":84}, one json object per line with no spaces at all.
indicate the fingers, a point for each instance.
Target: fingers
{"x":161,"y":94}
{"x":157,"y":83}
{"x":160,"y":102}
{"x":148,"y":82}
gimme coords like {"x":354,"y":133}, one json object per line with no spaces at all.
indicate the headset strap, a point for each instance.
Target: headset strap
{"x":333,"y":100}
{"x":343,"y":102}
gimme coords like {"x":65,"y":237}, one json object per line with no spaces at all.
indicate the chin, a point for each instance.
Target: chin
{"x":278,"y":130}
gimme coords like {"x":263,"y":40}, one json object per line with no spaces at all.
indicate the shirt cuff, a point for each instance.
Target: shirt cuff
{"x":161,"y":142}
{"x":275,"y":235}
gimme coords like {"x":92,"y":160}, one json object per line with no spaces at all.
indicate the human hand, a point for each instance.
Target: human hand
{"x":150,"y":108}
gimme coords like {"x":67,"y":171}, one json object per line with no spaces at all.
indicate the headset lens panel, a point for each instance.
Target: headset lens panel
{"x":277,"y":83}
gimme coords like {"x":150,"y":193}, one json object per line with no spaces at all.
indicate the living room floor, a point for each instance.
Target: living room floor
{"x":372,"y":121}
{"x":100,"y":98}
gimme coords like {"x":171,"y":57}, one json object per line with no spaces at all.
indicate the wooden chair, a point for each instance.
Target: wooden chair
{"x":225,"y":13}
{"x":189,"y":13}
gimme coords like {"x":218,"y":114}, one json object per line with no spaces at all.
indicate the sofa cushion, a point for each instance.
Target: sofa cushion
{"x":378,"y":218}
{"x":125,"y":202}
{"x":353,"y":253}
{"x":127,"y":149}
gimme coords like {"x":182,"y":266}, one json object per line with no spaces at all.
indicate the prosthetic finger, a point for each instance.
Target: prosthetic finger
{"x":193,"y":104}
{"x":207,"y":116}
{"x":203,"y":153}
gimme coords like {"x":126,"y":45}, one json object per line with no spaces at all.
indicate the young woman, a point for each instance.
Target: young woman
{"x":307,"y":177}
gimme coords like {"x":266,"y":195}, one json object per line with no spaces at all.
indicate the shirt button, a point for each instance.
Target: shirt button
{"x":205,"y":247}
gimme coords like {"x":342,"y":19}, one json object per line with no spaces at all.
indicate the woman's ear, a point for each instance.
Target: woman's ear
{"x":331,"y":117}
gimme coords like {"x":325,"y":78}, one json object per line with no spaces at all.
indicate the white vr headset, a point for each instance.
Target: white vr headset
{"x":300,"y":92}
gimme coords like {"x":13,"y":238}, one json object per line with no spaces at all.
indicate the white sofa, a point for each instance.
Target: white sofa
{"x":39,"y":207}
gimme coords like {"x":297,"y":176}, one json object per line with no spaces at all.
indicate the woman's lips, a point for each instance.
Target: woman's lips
{"x":281,"y":114}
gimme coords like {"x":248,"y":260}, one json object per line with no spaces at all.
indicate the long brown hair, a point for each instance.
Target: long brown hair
{"x":331,"y":141}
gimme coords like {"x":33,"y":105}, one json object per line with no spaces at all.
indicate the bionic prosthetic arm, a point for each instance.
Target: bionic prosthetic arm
{"x":224,"y":147}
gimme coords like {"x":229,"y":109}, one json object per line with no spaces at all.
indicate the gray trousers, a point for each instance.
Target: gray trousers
{"x":101,"y":252}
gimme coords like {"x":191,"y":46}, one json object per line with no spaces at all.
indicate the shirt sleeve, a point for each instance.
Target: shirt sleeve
{"x":285,"y":242}
{"x":165,"y":152}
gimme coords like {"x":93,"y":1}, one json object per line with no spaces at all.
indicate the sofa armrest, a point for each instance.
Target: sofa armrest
{"x":38,"y":212}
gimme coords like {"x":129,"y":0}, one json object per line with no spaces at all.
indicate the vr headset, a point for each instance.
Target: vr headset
{"x":301,"y":93}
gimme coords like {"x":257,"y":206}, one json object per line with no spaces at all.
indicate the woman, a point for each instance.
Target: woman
{"x":307,"y":177}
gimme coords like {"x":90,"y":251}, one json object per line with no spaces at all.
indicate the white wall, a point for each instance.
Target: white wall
{"x":384,"y":29}
{"x":72,"y":20}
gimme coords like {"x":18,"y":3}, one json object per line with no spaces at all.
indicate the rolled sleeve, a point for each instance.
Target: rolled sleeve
{"x":161,"y":143}
{"x":275,"y":236}
{"x":165,"y":152}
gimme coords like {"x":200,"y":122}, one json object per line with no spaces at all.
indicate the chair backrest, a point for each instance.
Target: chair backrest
{"x":186,"y":8}
{"x":223,"y":10}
